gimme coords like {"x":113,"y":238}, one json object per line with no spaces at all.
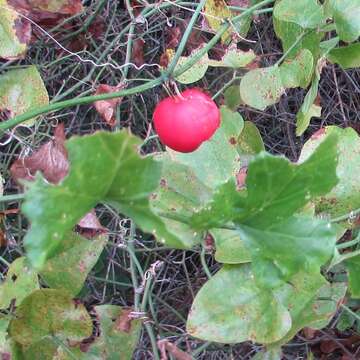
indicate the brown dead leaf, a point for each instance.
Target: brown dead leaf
{"x":107,"y":108}
{"x":165,"y":345}
{"x":173,"y":36}
{"x":138,"y":52}
{"x":50,"y":159}
{"x":89,"y":226}
{"x":123,"y":322}
{"x":309,"y":333}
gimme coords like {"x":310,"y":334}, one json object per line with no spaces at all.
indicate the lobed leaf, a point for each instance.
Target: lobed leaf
{"x":104,"y":167}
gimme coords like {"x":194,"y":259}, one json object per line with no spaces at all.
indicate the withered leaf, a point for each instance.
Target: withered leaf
{"x":138,"y":52}
{"x":89,"y":226}
{"x":107,"y":108}
{"x":50,"y":159}
{"x":165,"y":345}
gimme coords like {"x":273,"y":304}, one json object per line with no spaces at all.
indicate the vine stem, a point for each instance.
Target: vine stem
{"x":14,"y":197}
{"x":136,"y":89}
{"x":185,"y":38}
{"x":350,"y":215}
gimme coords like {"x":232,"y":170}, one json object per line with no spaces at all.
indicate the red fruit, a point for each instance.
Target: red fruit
{"x":185,"y":121}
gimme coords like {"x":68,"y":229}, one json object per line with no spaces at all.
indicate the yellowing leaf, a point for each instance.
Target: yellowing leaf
{"x":216,"y":11}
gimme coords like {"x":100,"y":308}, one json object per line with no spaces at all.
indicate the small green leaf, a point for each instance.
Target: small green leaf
{"x":75,"y":258}
{"x":46,"y":313}
{"x":250,"y":141}
{"x":346,"y":15}
{"x":232,"y":97}
{"x":22,"y":90}
{"x":20,"y":281}
{"x":104,"y":167}
{"x":114,"y":340}
{"x":11,"y":25}
{"x":271,"y":354}
{"x":260,"y":88}
{"x":234,"y":58}
{"x":230,"y":308}
{"x":230,"y":249}
{"x":353,"y":268}
{"x":344,"y":197}
{"x":298,"y":71}
{"x":289,"y":34}
{"x":309,"y":108}
{"x":306,"y":13}
{"x":196,"y":72}
{"x":346,"y":321}
{"x":347,"y":57}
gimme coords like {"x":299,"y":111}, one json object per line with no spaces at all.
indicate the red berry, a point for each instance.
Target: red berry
{"x":185,"y":121}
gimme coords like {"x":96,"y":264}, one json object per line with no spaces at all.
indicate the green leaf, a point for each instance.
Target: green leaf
{"x":289,"y":34}
{"x":347,"y":57}
{"x":271,"y":354}
{"x":230,"y":308}
{"x":346,"y":15}
{"x":196,"y":72}
{"x":182,"y":187}
{"x":66,"y":7}
{"x":312,"y":302}
{"x":232,"y":97}
{"x":250,"y":141}
{"x":230,"y":249}
{"x":216,"y":160}
{"x":260,"y":88}
{"x":46,"y":313}
{"x":353,"y":268}
{"x":114,"y":340}
{"x":22,"y":90}
{"x":216,"y":12}
{"x":75,"y":258}
{"x":280,"y":243}
{"x":344,"y":197}
{"x":20,"y":281}
{"x":5,"y":344}
{"x":104,"y":167}
{"x":346,"y":321}
{"x":309,"y":108}
{"x":306,"y":13}
{"x":11,"y":24}
{"x":298,"y":71}
{"x":234,"y":58}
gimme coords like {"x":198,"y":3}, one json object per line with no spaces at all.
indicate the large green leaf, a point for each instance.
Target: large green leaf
{"x":47,"y":313}
{"x":188,"y":179}
{"x":346,"y":15}
{"x":104,"y":167}
{"x":280,"y":243}
{"x":12,"y":46}
{"x":347,"y":56}
{"x":344,"y":197}
{"x":22,"y":90}
{"x":312,"y":302}
{"x":20,"y":281}
{"x":306,"y":13}
{"x":230,"y":308}
{"x":75,"y":258}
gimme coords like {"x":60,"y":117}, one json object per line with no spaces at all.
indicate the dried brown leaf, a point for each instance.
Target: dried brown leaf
{"x":50,"y":159}
{"x":89,"y":226}
{"x":107,"y":108}
{"x":138,"y":52}
{"x":165,"y":345}
{"x":123,"y":322}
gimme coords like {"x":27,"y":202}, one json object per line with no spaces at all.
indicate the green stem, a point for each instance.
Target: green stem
{"x":356,"y":316}
{"x":185,"y":38}
{"x":203,"y":262}
{"x":348,"y":243}
{"x":130,"y":248}
{"x":14,"y":197}
{"x":129,"y":40}
{"x":292,"y":47}
{"x":345,"y":217}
